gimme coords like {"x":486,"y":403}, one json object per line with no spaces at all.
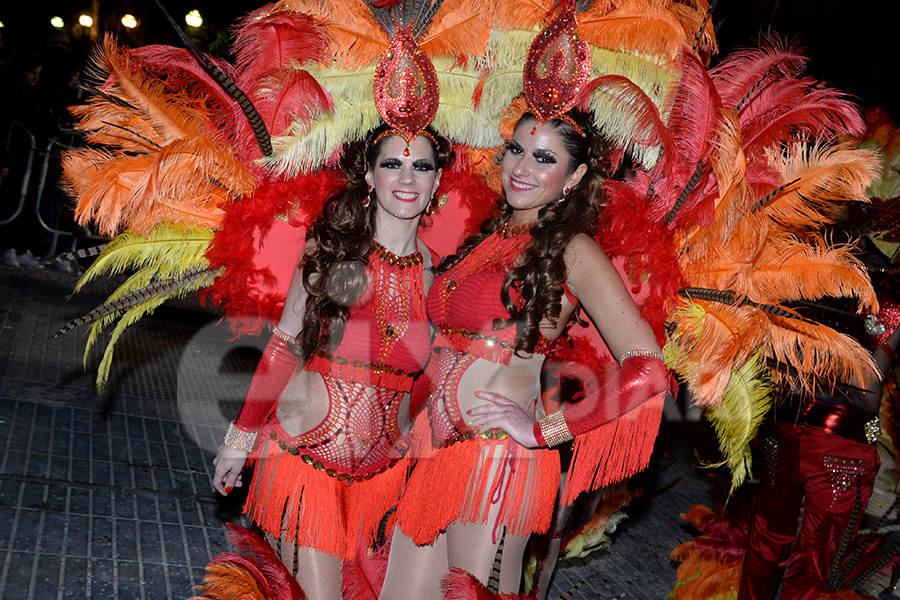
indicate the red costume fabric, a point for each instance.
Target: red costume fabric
{"x":275,"y":369}
{"x":330,"y":485}
{"x":817,"y":469}
{"x":465,"y":305}
{"x":475,"y":471}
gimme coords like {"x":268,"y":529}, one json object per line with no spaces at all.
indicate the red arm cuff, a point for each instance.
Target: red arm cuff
{"x":637,"y":380}
{"x":275,"y":369}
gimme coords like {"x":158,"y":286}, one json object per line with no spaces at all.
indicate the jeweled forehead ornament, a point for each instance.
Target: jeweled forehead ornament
{"x":557,"y":68}
{"x":406,"y":87}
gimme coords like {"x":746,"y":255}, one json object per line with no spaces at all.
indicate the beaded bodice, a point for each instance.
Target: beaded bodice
{"x":464,"y":302}
{"x":387,"y":338}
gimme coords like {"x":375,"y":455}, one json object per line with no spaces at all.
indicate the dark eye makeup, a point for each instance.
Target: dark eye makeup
{"x":391,"y":163}
{"x":423,"y":164}
{"x":544,"y":156}
{"x":514,"y":147}
{"x":541,"y":155}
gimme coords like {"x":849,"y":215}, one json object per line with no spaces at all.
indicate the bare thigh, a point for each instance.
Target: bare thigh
{"x":415,"y":571}
{"x":318,"y":573}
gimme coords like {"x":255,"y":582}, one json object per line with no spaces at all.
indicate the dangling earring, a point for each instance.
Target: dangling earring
{"x":431,"y":208}
{"x":368,"y":199}
{"x":566,"y":191}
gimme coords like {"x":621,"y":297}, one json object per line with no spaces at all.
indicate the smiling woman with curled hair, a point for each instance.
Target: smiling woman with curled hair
{"x":498,"y":305}
{"x":327,"y":411}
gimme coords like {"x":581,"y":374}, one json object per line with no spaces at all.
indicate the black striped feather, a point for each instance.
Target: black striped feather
{"x":686,"y":192}
{"x":154,"y":290}
{"x":835,"y":574}
{"x":263,"y":139}
{"x":77,"y":254}
{"x":493,"y":584}
{"x":568,"y":595}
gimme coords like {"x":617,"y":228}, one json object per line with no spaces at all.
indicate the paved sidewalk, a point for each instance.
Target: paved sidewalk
{"x":109,"y":496}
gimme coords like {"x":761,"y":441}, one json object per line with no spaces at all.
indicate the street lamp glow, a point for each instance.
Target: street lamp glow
{"x":193,"y":18}
{"x":85,"y":20}
{"x":129,"y":21}
{"x":57,"y":22}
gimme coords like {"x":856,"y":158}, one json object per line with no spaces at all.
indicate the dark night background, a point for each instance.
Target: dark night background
{"x":851,"y":43}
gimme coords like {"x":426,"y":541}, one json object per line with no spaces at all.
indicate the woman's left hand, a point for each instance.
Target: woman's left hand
{"x":503,"y":413}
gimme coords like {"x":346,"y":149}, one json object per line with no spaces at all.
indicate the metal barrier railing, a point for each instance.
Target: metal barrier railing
{"x":47,"y":157}
{"x":26,"y":177}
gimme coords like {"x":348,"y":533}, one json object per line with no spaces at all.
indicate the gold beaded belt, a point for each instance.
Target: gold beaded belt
{"x":493,"y":434}
{"x":318,"y":465}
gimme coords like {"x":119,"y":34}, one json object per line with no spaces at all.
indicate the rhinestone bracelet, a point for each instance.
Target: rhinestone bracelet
{"x":644,"y":353}
{"x":555,"y":430}
{"x":285,"y":336}
{"x":239,"y":440}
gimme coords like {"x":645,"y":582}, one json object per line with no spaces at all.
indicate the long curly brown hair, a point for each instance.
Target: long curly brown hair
{"x":539,"y":278}
{"x":334,"y":265}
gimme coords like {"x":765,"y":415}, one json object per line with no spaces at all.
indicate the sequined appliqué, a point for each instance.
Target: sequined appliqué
{"x":843,"y":473}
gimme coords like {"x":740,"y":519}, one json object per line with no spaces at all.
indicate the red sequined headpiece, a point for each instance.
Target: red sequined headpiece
{"x":406,"y":86}
{"x":557,"y":68}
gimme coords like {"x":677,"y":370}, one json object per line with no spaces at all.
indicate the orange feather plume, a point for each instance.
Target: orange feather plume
{"x":519,"y":14}
{"x":461,"y":28}
{"x":716,"y":337}
{"x":819,"y":351}
{"x":641,"y":26}
{"x":357,"y":39}
{"x":816,"y":178}
{"x":161,"y":165}
{"x":691,"y":15}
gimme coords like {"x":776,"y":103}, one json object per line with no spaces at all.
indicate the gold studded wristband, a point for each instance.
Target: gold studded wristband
{"x":239,"y":440}
{"x":552,"y":430}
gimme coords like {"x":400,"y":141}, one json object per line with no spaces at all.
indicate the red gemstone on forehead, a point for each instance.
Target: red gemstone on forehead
{"x":406,"y":151}
{"x":534,"y":130}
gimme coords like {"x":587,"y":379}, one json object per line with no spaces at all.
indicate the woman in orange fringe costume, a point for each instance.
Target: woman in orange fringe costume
{"x":331,"y":446}
{"x":497,"y":306}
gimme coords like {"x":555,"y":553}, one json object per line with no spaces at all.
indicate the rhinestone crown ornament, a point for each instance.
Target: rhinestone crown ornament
{"x":557,"y":68}
{"x":406,"y":86}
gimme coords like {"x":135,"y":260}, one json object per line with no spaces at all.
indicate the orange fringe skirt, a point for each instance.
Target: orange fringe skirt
{"x":294,"y":499}
{"x":464,"y":479}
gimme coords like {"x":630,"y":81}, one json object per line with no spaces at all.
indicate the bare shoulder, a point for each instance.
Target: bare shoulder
{"x":583,"y":252}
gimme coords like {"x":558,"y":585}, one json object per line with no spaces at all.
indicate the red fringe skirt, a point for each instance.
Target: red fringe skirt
{"x":294,"y":501}
{"x":462,"y":481}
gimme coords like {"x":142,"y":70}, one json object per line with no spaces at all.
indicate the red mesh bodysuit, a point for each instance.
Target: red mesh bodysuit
{"x":463,"y":304}
{"x":384,"y":346}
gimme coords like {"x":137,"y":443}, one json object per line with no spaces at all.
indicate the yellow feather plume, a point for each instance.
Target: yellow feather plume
{"x":169,"y":250}
{"x":168,"y":253}
{"x":736,"y":420}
